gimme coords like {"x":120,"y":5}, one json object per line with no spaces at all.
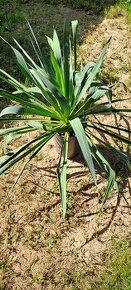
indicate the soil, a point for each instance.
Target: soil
{"x":40,"y":250}
{"x":34,"y":238}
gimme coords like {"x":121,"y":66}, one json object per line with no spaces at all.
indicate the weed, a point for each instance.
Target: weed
{"x":39,"y":157}
{"x":70,"y":201}
{"x":126,"y":67}
{"x":52,"y":241}
{"x":108,"y":76}
{"x":38,"y":277}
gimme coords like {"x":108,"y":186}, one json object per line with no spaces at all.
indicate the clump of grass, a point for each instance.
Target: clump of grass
{"x":117,"y":268}
{"x":73,"y":279}
{"x":126,"y":67}
{"x":127,"y":7}
{"x":121,"y":8}
{"x":108,"y":76}
{"x":9,"y":20}
{"x":113,"y":11}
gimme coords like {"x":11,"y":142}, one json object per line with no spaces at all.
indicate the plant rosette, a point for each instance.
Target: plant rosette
{"x":57,"y":97}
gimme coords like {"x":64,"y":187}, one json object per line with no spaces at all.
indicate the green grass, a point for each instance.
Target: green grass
{"x":108,"y":75}
{"x":122,"y":8}
{"x":117,"y":268}
{"x":115,"y":273}
{"x":9,"y":20}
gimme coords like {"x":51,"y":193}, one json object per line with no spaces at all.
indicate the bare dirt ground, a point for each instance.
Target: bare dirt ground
{"x":38,"y":249}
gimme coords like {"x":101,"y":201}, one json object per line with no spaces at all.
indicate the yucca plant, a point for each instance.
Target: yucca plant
{"x":59,"y":96}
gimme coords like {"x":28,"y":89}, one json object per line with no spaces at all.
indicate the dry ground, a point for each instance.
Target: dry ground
{"x":38,"y":249}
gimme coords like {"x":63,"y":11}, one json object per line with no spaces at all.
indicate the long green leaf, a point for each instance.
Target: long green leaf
{"x":56,"y":47}
{"x":74,"y":25}
{"x":26,"y":163}
{"x":114,"y":127}
{"x":61,"y":173}
{"x":19,"y":110}
{"x":91,"y":100}
{"x":112,"y":134}
{"x":12,"y":129}
{"x":85,"y":148}
{"x":99,"y":109}
{"x":20,"y":59}
{"x":41,"y":108}
{"x":112,"y":183}
{"x":10,"y":161}
{"x":81,"y":77}
{"x":36,"y":46}
{"x":58,"y":73}
{"x":14,"y":135}
{"x":93,"y":72}
{"x":66,"y":58}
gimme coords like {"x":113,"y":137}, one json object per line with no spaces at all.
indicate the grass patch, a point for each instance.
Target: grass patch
{"x":123,"y":8}
{"x":108,"y":76}
{"x":8,"y":21}
{"x":117,"y":268}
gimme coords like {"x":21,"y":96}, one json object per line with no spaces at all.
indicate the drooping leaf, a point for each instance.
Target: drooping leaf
{"x":83,"y":142}
{"x":12,"y":129}
{"x":112,"y":134}
{"x":20,"y":153}
{"x":61,"y":173}
{"x":26,"y":163}
{"x":112,"y":183}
